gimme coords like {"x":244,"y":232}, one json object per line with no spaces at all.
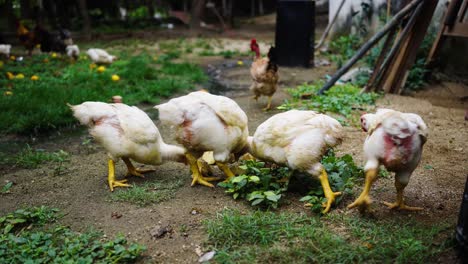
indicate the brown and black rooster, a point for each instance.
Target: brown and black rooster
{"x":264,"y":72}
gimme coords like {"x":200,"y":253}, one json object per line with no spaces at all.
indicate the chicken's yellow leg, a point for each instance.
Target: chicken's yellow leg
{"x":227,"y":171}
{"x":196,"y":175}
{"x":363,"y":201}
{"x":111,"y":177}
{"x":269,"y":104}
{"x":400,"y":203}
{"x":329,"y":194}
{"x":134,"y":171}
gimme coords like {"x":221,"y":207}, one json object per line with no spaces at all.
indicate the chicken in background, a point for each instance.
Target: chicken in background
{"x":395,"y":140}
{"x":27,"y":38}
{"x":53,"y":42}
{"x":126,"y":133}
{"x":205,"y":122}
{"x":100,"y":56}
{"x":5,"y":50}
{"x":264,"y":72}
{"x":73,"y":51}
{"x":298,"y":139}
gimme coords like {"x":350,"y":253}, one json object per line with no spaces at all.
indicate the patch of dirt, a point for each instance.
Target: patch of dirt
{"x":82,"y":193}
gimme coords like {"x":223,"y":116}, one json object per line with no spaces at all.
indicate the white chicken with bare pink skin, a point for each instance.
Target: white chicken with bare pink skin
{"x":298,"y":139}
{"x":395,"y":140}
{"x":126,"y":133}
{"x":205,"y":122}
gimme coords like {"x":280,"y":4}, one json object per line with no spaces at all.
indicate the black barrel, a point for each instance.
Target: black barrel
{"x":461,"y":233}
{"x":295,"y":32}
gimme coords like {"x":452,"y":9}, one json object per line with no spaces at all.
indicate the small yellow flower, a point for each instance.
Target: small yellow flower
{"x":8,"y":93}
{"x":92,"y":66}
{"x":115,"y":78}
{"x":46,"y":60}
{"x":101,"y":69}
{"x":12,"y":58}
{"x":10,"y":75}
{"x":240,"y":63}
{"x":34,"y":78}
{"x":19,"y":76}
{"x":54,"y":55}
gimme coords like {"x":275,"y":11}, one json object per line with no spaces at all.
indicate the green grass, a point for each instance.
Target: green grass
{"x":267,"y":237}
{"x":38,"y":106}
{"x":25,"y":239}
{"x":345,"y":100}
{"x":30,"y":158}
{"x":148,"y":193}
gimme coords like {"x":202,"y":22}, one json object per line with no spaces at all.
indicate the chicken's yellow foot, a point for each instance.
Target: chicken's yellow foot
{"x":400,"y":203}
{"x":227,"y":171}
{"x":196,"y":176}
{"x":329,"y":194}
{"x":364,"y":201}
{"x":205,"y":169}
{"x":111,"y":178}
{"x":132,"y":171}
{"x":269,"y":104}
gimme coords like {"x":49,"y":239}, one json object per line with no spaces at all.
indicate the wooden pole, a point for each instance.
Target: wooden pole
{"x":329,"y":26}
{"x":369,"y":44}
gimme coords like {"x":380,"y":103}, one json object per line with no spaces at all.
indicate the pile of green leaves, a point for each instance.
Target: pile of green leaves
{"x":25,"y":240}
{"x":341,"y":99}
{"x":28,"y":106}
{"x":260,"y":185}
{"x":268,"y":237}
{"x":343,"y":48}
{"x":343,"y":174}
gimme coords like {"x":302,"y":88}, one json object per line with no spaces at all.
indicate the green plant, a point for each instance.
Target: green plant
{"x":149,"y":193}
{"x":268,"y":237}
{"x":142,"y":80}
{"x":343,"y":48}
{"x":342,"y":175}
{"x":341,"y":99}
{"x":6,"y":188}
{"x":25,"y":240}
{"x":259,"y":185}
{"x":31,"y":158}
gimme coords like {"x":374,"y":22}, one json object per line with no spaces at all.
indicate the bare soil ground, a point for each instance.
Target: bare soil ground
{"x":82,"y":194}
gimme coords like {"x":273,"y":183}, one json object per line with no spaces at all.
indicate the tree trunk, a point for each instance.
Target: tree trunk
{"x":149,"y":5}
{"x":260,"y":7}
{"x":85,"y":17}
{"x":197,"y":10}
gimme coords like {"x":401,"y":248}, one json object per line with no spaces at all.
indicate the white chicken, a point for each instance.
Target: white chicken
{"x":128,"y":133}
{"x":205,"y":122}
{"x":298,"y":139}
{"x":100,"y":56}
{"x":395,"y":140}
{"x":73,"y":51}
{"x":5,"y":49}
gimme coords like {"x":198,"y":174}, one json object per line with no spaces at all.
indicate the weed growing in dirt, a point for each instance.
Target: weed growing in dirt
{"x":341,"y":99}
{"x":267,"y":237}
{"x":265,"y":185}
{"x":30,"y":158}
{"x":25,"y":240}
{"x":149,"y":193}
{"x":259,"y":185}
{"x":6,"y":188}
{"x":33,"y":106}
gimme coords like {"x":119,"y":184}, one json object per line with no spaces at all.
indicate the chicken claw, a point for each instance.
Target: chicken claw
{"x":111,"y":178}
{"x":227,"y":171}
{"x":400,"y":203}
{"x":268,"y":107}
{"x":364,"y":201}
{"x":132,"y":171}
{"x":329,"y":194}
{"x":196,"y":175}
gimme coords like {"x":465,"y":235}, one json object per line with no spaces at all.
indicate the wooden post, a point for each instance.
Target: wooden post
{"x":399,"y":70}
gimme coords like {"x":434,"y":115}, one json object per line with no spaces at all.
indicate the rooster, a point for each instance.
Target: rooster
{"x":298,"y":139}
{"x":126,"y":133}
{"x":264,"y":72}
{"x":53,"y":42}
{"x":26,"y":37}
{"x":395,"y":140}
